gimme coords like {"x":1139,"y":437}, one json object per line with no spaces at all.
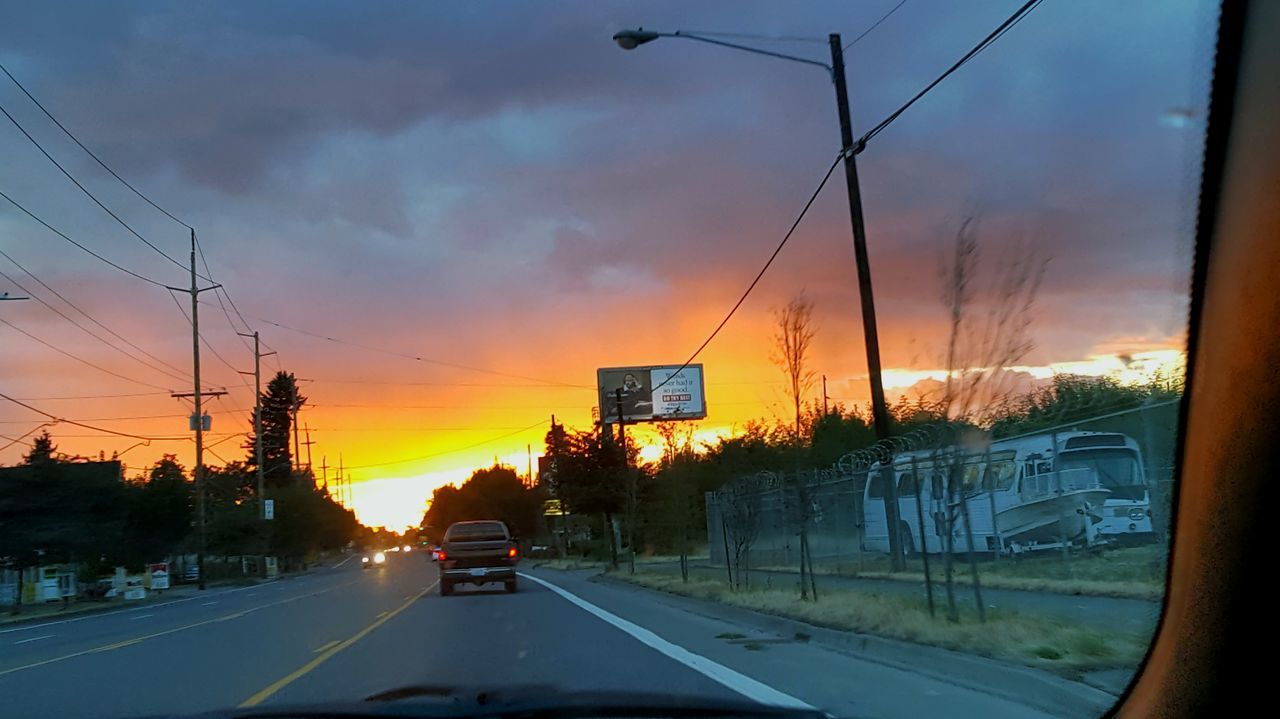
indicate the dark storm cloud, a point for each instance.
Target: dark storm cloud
{"x":477,"y":154}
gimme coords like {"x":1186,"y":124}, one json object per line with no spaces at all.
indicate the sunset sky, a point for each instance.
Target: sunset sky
{"x":498,"y":190}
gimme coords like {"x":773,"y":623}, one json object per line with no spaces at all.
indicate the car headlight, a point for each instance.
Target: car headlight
{"x":379,"y":558}
{"x":365,"y":560}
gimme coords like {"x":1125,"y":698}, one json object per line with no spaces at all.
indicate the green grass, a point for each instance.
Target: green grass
{"x":1131,"y":572}
{"x":1033,"y":641}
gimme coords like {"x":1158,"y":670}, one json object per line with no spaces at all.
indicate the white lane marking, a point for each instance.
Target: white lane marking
{"x":348,"y":559}
{"x":32,"y":639}
{"x":741,"y":683}
{"x":142,"y":616}
{"x":98,"y":615}
{"x":208,"y":604}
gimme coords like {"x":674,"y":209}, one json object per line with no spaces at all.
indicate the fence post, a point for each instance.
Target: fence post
{"x":924,"y":542}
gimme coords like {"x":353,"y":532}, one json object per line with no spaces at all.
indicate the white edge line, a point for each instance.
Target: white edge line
{"x":98,"y":615}
{"x":33,"y":639}
{"x":738,"y":682}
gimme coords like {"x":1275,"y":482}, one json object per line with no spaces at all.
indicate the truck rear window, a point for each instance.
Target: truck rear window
{"x":478,"y":532}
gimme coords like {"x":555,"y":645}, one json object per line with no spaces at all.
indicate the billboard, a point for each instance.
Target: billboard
{"x":652,"y":394}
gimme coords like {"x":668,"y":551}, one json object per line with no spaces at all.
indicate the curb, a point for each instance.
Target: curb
{"x":1031,"y":687}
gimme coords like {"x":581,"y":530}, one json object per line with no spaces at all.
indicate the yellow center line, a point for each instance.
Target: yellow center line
{"x":302,"y":671}
{"x":324,"y":646}
{"x":136,"y":640}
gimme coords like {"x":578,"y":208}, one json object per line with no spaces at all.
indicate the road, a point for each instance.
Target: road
{"x":343,"y":634}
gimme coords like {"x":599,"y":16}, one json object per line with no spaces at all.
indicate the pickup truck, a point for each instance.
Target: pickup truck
{"x":477,"y":553}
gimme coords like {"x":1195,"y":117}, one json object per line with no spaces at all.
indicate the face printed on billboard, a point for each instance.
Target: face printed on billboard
{"x":648,"y":394}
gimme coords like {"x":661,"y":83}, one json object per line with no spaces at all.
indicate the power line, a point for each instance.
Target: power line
{"x":875,"y":24}
{"x":60,"y":420}
{"x":19,"y":438}
{"x":59,"y":233}
{"x":416,"y":358}
{"x":126,"y":419}
{"x":95,"y":396}
{"x":760,"y":274}
{"x":77,"y":358}
{"x":1013,"y":19}
{"x":127,"y":184}
{"x":85,"y":190}
{"x":451,"y":384}
{"x":170,"y":372}
{"x":88,"y":151}
{"x":451,"y":451}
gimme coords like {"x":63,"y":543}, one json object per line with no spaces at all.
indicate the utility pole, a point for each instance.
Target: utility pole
{"x":307,"y":444}
{"x":195,"y":291}
{"x":824,"y":396}
{"x":529,"y":448}
{"x":257,"y":420}
{"x":341,"y":496}
{"x":879,"y":409}
{"x":293,"y":408}
{"x":324,"y":473}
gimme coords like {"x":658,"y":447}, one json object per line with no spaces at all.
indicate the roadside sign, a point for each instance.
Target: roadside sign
{"x":269,"y":509}
{"x":159,"y":575}
{"x":651,"y":394}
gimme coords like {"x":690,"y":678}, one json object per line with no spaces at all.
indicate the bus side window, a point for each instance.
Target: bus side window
{"x":875,"y":489}
{"x":936,"y":481}
{"x":998,"y":476}
{"x":906,"y":485}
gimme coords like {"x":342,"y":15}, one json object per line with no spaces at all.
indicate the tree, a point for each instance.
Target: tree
{"x":42,"y":450}
{"x":56,"y":511}
{"x":793,"y":336}
{"x":159,"y":512}
{"x":792,"y":339}
{"x":280,"y":404}
{"x":989,"y":330}
{"x":492,"y":493}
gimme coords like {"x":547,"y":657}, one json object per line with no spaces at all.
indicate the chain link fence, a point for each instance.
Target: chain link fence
{"x":756,"y":521}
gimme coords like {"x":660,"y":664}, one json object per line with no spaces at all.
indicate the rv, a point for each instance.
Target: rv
{"x":1020,"y":494}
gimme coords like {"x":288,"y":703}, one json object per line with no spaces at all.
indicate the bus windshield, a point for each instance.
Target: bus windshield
{"x":1117,"y":470}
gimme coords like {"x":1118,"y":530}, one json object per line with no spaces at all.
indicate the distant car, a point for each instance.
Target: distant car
{"x":435,"y":553}
{"x":477,"y":553}
{"x":377,"y":560}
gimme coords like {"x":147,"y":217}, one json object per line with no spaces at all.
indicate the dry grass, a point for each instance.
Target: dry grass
{"x":1134,"y":572}
{"x":1038,"y":642}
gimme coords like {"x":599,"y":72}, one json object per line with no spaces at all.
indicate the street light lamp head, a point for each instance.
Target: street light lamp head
{"x":631,"y":39}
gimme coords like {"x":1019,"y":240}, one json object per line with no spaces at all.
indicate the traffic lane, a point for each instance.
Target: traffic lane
{"x":487,"y":638}
{"x":37,"y":642}
{"x":214,"y":665}
{"x":1115,"y":613}
{"x":835,"y":682}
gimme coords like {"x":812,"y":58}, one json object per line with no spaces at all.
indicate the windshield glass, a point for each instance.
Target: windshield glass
{"x":476,"y":532}
{"x":350,"y":348}
{"x":1117,"y":469}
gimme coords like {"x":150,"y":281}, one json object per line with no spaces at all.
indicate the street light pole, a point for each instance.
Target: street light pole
{"x":631,"y":39}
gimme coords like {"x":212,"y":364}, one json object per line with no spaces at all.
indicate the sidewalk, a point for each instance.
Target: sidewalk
{"x":56,"y":610}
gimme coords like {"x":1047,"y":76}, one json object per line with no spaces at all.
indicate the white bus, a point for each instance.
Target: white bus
{"x":1021,"y":494}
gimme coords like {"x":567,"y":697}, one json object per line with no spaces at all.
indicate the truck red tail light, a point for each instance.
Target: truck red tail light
{"x":511,"y":552}
{"x":441,"y":555}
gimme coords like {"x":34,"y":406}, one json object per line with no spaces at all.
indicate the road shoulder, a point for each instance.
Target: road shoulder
{"x":1022,"y":685}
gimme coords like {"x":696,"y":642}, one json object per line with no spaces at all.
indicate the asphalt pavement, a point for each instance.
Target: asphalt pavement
{"x":342,"y":634}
